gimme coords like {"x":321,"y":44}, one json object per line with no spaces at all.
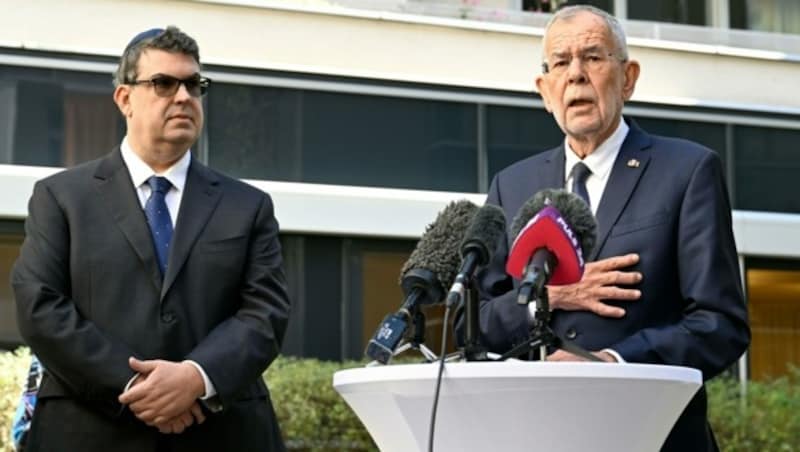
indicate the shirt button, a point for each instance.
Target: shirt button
{"x":571,"y":334}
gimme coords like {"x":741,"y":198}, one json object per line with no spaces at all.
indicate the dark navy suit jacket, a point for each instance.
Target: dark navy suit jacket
{"x":673,"y":210}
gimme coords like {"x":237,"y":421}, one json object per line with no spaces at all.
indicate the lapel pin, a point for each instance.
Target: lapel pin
{"x":633,"y":163}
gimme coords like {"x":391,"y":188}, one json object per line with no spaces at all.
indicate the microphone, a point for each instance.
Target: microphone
{"x":429,"y":269}
{"x":480,"y":241}
{"x":554,"y":230}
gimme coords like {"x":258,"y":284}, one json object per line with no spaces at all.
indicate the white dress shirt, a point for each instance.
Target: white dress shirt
{"x":600,"y":163}
{"x":140,"y":172}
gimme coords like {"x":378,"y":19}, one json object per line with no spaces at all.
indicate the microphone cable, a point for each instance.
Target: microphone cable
{"x":442,"y":356}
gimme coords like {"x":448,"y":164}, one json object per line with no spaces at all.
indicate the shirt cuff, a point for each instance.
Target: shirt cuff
{"x":130,"y":382}
{"x":211,"y":391}
{"x":616,"y":355}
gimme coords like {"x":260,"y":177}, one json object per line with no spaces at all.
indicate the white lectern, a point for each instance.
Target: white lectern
{"x":520,"y":406}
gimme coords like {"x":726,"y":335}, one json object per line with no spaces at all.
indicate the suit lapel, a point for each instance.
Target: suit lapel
{"x":197,"y":204}
{"x":113,"y":183}
{"x":552,"y":172}
{"x":629,"y":166}
{"x":534,"y":175}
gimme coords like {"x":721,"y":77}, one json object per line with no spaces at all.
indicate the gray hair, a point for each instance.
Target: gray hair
{"x":171,"y":40}
{"x":613,"y":25}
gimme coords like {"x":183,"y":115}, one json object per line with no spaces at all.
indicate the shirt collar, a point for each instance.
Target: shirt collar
{"x":602,"y":159}
{"x":140,"y":171}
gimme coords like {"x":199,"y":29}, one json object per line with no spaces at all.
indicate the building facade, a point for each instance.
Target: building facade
{"x":363,"y":121}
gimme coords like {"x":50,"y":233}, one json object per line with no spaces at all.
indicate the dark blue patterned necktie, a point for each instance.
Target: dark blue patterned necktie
{"x":579,"y":174}
{"x":159,"y":220}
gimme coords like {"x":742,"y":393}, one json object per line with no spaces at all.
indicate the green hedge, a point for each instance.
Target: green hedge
{"x":315,"y":418}
{"x":312,"y":415}
{"x":767,"y":419}
{"x":13,"y":372}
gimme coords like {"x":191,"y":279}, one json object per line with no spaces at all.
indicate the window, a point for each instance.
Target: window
{"x":374,"y":268}
{"x":773,"y":293}
{"x":549,"y":6}
{"x":779,"y":16}
{"x":711,"y":135}
{"x":9,"y":250}
{"x":56,"y":118}
{"x":767,"y":166}
{"x":332,"y":138}
{"x":514,"y":133}
{"x":676,"y":11}
{"x":340,"y":289}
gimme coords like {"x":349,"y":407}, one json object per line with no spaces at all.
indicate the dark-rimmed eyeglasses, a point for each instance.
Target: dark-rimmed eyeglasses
{"x":167,"y":86}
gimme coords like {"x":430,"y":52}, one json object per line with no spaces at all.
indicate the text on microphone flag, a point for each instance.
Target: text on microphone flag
{"x":548,"y":229}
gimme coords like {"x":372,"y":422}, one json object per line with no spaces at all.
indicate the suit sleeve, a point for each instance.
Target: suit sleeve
{"x":92,"y":365}
{"x":240,"y":348}
{"x":712,"y":331}
{"x":503,"y":322}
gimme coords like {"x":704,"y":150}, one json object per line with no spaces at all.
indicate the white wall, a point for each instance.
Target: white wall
{"x":394,"y":213}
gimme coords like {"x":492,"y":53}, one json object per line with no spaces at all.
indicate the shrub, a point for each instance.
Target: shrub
{"x":767,"y":419}
{"x":314,"y":418}
{"x":13,"y":372}
{"x":312,"y":415}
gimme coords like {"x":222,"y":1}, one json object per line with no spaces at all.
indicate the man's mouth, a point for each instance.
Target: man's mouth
{"x":579,"y":102}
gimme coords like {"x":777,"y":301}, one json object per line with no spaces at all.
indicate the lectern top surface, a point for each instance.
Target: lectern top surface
{"x":520,"y":369}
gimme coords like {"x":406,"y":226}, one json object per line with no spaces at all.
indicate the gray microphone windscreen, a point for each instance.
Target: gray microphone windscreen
{"x":438,"y":248}
{"x":572,"y":208}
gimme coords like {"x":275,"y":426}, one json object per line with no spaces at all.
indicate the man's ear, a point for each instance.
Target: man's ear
{"x":542,"y":87}
{"x":122,"y":98}
{"x":631,"y":75}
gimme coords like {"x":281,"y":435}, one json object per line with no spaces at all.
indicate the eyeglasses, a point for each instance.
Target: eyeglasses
{"x":167,"y":86}
{"x":591,"y":61}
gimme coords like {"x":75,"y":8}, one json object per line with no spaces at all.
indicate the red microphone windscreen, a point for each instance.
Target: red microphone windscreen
{"x":548,"y":229}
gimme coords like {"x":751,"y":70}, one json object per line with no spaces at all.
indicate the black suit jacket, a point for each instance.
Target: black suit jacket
{"x":672,"y":209}
{"x":89,"y":295}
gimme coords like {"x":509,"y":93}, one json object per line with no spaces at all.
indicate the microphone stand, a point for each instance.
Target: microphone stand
{"x":542,"y":336}
{"x":473,"y":350}
{"x":417,"y":341}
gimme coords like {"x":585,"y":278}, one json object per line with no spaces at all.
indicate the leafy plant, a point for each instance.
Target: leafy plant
{"x":13,"y":372}
{"x":765,"y":418}
{"x":312,"y":415}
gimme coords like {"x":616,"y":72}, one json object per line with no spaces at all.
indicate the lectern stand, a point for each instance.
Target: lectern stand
{"x":520,"y":406}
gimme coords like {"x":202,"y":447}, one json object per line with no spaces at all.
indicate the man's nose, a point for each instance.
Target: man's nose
{"x":182,"y":94}
{"x":575,"y":71}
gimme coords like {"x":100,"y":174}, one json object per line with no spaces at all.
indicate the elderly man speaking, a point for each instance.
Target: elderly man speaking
{"x":664,"y":284}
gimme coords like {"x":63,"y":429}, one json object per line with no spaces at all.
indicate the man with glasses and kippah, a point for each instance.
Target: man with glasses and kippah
{"x":150,"y":286}
{"x":664,"y":284}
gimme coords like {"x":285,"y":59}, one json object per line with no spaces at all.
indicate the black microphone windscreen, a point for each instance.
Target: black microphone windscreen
{"x":438,"y":248}
{"x":484,"y":231}
{"x":572,"y":208}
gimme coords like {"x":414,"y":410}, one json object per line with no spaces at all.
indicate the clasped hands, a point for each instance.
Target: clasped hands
{"x":601,"y":281}
{"x":164,"y":394}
